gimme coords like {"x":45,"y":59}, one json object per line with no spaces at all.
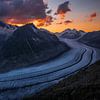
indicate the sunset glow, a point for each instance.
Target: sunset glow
{"x":55,"y":27}
{"x":54,"y":15}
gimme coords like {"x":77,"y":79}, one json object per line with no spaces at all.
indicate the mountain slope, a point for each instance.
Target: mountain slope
{"x":28,"y":45}
{"x":91,"y":39}
{"x":84,"y":85}
{"x":6,"y":30}
{"x":2,"y":39}
{"x":3,"y":36}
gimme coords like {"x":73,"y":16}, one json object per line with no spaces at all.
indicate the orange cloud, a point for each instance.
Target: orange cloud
{"x":38,"y":22}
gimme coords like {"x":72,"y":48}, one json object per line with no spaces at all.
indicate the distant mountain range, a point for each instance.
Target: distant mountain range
{"x":89,"y":38}
{"x":28,"y":45}
{"x":72,"y":34}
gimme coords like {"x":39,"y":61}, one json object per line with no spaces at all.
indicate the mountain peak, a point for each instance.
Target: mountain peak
{"x":30,"y":25}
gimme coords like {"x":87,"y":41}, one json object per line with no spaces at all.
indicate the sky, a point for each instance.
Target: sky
{"x":53,"y":15}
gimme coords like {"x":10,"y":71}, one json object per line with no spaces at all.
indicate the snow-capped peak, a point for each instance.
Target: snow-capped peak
{"x":73,"y":31}
{"x":72,"y":34}
{"x":69,"y":31}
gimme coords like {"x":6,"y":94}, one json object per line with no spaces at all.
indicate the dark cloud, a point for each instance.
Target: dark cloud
{"x":49,"y":20}
{"x":49,"y":11}
{"x":63,"y":8}
{"x":65,"y":22}
{"x":60,"y":23}
{"x":92,"y":16}
{"x":22,"y":9}
{"x":68,"y":22}
{"x":4,"y":9}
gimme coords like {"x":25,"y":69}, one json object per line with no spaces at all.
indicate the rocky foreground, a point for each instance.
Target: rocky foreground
{"x":84,"y":85}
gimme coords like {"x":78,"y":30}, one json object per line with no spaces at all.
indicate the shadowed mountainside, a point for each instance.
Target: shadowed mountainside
{"x":29,"y":45}
{"x":91,"y":39}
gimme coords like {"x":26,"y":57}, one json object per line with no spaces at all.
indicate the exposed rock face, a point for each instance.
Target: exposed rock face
{"x":29,"y":45}
{"x":84,"y":85}
{"x":91,"y":39}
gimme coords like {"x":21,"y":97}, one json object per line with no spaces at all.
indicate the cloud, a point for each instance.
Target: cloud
{"x":45,"y":22}
{"x":92,"y":16}
{"x":5,"y":9}
{"x":68,"y":22}
{"x":49,"y":11}
{"x":45,"y":1}
{"x":30,"y":11}
{"x":65,"y":22}
{"x":63,"y":8}
{"x":59,"y":23}
{"x":25,"y":9}
{"x":49,"y":20}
